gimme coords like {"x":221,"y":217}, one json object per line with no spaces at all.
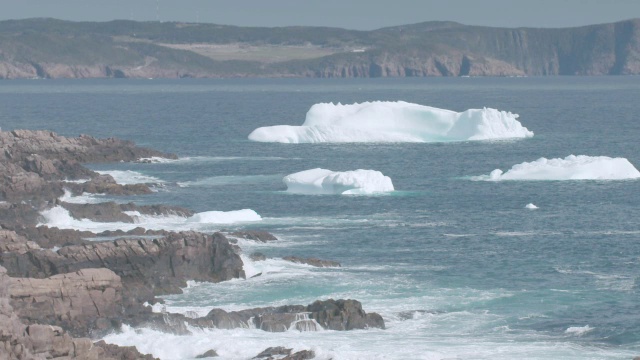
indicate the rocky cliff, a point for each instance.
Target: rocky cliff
{"x":48,"y":48}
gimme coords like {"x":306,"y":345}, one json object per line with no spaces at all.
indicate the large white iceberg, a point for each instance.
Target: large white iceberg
{"x":323,"y":181}
{"x":572,"y":167}
{"x":394,"y":122}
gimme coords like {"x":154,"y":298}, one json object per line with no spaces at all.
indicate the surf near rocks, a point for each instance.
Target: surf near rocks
{"x":58,"y":283}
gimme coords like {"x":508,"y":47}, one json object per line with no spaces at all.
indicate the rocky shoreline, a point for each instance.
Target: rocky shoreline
{"x":61,"y":290}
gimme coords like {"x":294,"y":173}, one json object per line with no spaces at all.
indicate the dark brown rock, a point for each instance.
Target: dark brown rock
{"x":262,"y":236}
{"x":312,"y":261}
{"x":121,"y":352}
{"x":207,"y":354}
{"x":273,"y":351}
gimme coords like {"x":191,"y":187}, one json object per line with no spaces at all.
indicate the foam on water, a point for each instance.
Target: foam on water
{"x":129,"y":177}
{"x":203,"y":221}
{"x":578,"y":330}
{"x":572,"y":167}
{"x":322,"y":181}
{"x":394,"y":122}
{"x":531,"y":206}
{"x":85,"y":198}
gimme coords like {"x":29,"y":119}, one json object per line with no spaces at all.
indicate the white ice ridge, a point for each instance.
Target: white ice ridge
{"x":386,"y":121}
{"x":323,"y":181}
{"x":572,"y":167}
{"x":203,"y":221}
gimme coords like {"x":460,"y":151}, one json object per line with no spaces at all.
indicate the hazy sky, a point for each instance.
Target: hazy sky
{"x":351,"y":14}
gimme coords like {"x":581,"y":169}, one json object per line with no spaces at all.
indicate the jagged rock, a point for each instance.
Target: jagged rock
{"x":343,"y":315}
{"x":10,"y":241}
{"x":273,"y":351}
{"x":30,"y":160}
{"x":122,"y":352}
{"x":301,"y":355}
{"x":312,"y":261}
{"x":328,"y":314}
{"x":262,"y":236}
{"x":148,"y":267}
{"x":22,"y":342}
{"x":48,"y":237}
{"x":207,"y":354}
{"x":79,"y":301}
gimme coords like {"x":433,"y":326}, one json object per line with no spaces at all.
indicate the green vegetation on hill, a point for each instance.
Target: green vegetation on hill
{"x":55,"y":48}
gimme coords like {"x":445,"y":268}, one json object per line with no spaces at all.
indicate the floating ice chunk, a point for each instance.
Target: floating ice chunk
{"x":530,"y":206}
{"x":572,"y":167}
{"x":394,"y":122}
{"x":578,"y":330}
{"x":323,"y":181}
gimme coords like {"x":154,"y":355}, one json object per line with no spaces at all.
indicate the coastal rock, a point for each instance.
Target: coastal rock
{"x":148,"y":267}
{"x":277,"y":352}
{"x":273,"y":351}
{"x":207,"y":354}
{"x":312,"y":261}
{"x":78,"y":301}
{"x":258,"y":256}
{"x":328,"y":314}
{"x":121,"y":352}
{"x":261,"y":236}
{"x":19,"y":341}
{"x":35,"y":163}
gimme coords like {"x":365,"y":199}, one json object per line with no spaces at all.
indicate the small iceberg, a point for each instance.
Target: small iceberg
{"x":322,"y":181}
{"x":386,"y":121}
{"x":530,"y":206}
{"x":572,"y":167}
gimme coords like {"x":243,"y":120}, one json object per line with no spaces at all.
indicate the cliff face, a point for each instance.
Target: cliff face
{"x":47,"y":48}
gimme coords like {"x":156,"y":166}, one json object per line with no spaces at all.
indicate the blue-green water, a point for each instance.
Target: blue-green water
{"x":459,"y":269}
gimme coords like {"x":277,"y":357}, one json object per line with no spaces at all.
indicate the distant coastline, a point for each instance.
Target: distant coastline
{"x":50,"y":48}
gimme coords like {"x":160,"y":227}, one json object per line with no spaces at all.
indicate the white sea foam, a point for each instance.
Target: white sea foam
{"x":572,"y":167}
{"x":85,"y":198}
{"x":394,"y":122}
{"x":531,"y":206}
{"x":156,"y":160}
{"x":204,"y":221}
{"x":578,"y":330}
{"x":128,"y":177}
{"x":322,"y":181}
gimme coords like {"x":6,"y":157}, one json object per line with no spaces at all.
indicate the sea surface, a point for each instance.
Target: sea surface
{"x":459,"y":269}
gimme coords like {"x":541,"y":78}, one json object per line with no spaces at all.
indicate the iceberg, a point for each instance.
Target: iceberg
{"x":322,"y":181}
{"x":385,"y":121}
{"x":572,"y":167}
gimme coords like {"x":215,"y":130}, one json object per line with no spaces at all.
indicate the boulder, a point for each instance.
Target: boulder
{"x":207,"y":354}
{"x":80,"y":301}
{"x":261,"y":236}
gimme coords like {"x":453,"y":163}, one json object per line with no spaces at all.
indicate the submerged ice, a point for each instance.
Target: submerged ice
{"x":386,"y":121}
{"x":323,"y":181}
{"x":572,"y":167}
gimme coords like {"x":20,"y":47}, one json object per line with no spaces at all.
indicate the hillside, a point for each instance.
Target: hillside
{"x":49,"y":48}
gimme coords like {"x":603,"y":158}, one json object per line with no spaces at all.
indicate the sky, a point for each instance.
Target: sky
{"x":350,"y":14}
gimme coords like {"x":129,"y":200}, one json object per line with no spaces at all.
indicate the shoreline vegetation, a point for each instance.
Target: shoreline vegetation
{"x":51,"y":48}
{"x":61,"y":290}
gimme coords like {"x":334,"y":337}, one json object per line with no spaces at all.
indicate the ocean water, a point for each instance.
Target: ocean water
{"x":459,"y":269}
